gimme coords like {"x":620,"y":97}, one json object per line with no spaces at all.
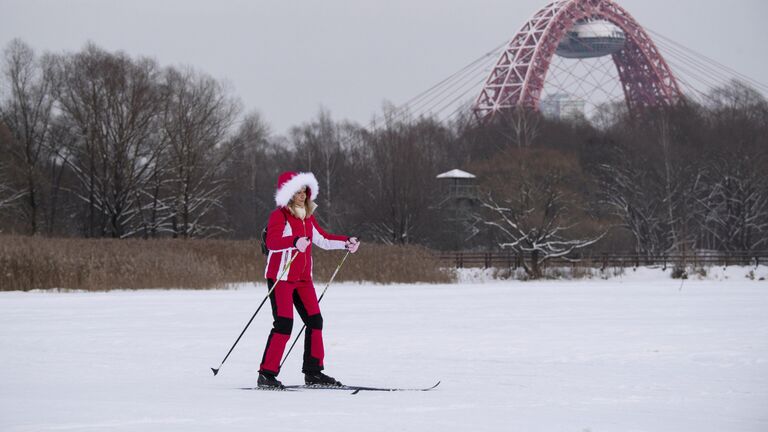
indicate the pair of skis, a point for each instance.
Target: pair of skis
{"x":353,"y":389}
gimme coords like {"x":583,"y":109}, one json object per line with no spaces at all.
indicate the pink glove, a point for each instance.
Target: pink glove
{"x":302,"y":243}
{"x":352,"y":244}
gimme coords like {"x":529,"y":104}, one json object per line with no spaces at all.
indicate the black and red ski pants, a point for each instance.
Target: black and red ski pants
{"x":283,"y":298}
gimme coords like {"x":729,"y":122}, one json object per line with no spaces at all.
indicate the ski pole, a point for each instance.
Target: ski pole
{"x":318,"y":300}
{"x":285,"y":269}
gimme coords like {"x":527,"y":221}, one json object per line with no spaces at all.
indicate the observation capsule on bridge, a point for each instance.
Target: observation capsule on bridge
{"x":591,"y":38}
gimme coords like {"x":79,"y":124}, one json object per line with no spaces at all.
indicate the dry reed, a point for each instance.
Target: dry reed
{"x":28,"y":263}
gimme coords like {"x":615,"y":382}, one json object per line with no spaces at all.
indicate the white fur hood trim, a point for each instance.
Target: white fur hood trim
{"x":289,"y":188}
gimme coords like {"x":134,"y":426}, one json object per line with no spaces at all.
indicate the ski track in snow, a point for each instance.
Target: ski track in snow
{"x":631,"y":354}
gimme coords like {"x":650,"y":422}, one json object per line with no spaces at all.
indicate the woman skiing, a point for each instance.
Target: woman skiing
{"x":291,"y":231}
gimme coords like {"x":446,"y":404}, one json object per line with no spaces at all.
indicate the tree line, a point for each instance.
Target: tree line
{"x":101,"y":144}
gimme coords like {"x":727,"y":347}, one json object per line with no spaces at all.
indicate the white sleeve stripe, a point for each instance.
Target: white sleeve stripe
{"x":323,"y":242}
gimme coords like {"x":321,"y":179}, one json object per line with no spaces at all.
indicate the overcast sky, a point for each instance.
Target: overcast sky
{"x":287,"y":58}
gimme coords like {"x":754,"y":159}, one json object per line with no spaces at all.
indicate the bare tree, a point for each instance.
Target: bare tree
{"x":27,"y":113}
{"x":625,"y":192}
{"x":112,"y":104}
{"x":155,"y":208}
{"x":736,"y":206}
{"x":395,"y":188}
{"x":520,"y":127}
{"x":9,"y":194}
{"x":252,"y":171}
{"x":199,"y":114}
{"x":649,"y":178}
{"x":533,"y":203}
{"x":738,"y":103}
{"x":321,"y":147}
{"x":733,"y":203}
{"x":60,"y":140}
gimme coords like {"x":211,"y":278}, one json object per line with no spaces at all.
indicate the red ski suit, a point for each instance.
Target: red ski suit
{"x":283,"y":229}
{"x":295,"y":287}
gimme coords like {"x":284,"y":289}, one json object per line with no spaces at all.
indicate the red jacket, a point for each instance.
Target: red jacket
{"x":283,"y":229}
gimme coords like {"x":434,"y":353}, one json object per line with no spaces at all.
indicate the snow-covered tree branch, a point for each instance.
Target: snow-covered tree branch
{"x":534,"y":205}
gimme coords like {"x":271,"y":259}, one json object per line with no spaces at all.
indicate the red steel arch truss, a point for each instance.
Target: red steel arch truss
{"x":517,"y":79}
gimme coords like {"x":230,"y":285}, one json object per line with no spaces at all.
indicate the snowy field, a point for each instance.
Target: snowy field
{"x":640,"y":353}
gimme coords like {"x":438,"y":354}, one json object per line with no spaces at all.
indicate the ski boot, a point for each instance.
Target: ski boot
{"x":320,"y":379}
{"x":269,"y":382}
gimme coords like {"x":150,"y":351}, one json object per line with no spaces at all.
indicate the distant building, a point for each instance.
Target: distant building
{"x":562,"y":106}
{"x":461,"y":186}
{"x":458,"y":204}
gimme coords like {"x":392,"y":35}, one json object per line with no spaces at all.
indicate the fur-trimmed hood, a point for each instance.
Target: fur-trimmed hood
{"x":291,"y":182}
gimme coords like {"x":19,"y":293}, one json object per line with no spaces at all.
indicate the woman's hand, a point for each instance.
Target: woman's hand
{"x":352,"y":244}
{"x":302,"y":243}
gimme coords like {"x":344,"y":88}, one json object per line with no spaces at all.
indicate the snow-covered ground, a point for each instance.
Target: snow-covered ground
{"x":641,"y":353}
